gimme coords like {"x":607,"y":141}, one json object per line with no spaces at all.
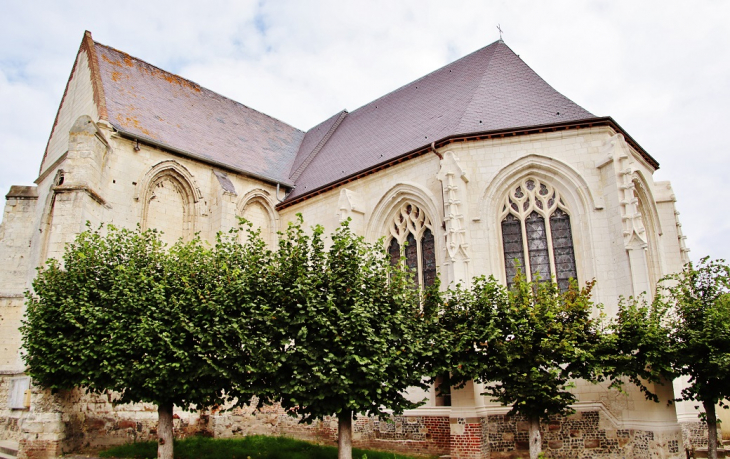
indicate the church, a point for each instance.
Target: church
{"x":474,"y":165}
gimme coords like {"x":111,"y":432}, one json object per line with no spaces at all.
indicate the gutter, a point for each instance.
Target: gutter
{"x":485,"y":135}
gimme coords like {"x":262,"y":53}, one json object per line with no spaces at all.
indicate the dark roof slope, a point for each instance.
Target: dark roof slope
{"x":488,"y":90}
{"x":314,"y":140}
{"x":151,"y":104}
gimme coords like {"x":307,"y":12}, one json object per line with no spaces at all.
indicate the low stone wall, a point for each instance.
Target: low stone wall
{"x":581,"y":435}
{"x":10,"y":420}
{"x":425,"y":435}
{"x":64,"y":422}
{"x":694,"y":434}
{"x":68,"y":421}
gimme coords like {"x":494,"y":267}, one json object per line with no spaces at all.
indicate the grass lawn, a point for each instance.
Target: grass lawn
{"x":253,"y":447}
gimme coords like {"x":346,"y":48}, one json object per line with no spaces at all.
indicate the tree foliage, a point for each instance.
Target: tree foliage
{"x":636,"y":346}
{"x":526,"y":343}
{"x":123,"y":314}
{"x":698,"y":299}
{"x":327,"y":332}
{"x":348,"y":327}
{"x":685,"y":331}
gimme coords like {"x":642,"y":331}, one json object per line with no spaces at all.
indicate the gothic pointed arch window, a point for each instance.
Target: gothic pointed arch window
{"x":411,"y":235}
{"x":169,"y":206}
{"x":258,"y":211}
{"x":537,"y":234}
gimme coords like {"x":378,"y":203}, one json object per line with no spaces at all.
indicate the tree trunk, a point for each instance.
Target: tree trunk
{"x":535,"y":438}
{"x":711,"y":430}
{"x":344,"y":435}
{"x":164,"y":431}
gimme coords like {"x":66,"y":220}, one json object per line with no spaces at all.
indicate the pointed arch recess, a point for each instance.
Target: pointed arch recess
{"x":577,"y":196}
{"x":262,"y":198}
{"x":646,"y":206}
{"x":390,"y":203}
{"x":181,"y":179}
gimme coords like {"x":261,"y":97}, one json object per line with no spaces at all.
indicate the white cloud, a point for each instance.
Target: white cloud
{"x":661,"y":69}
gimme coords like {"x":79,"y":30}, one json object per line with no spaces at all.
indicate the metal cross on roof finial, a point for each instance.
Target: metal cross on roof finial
{"x":500,"y":32}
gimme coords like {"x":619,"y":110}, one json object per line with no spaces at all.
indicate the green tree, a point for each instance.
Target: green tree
{"x":347,"y":326}
{"x":698,"y":300}
{"x":123,"y":314}
{"x":636,"y":346}
{"x":527,"y":343}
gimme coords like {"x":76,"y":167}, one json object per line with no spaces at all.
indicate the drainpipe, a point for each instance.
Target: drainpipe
{"x":433,"y":149}
{"x":278,"y":185}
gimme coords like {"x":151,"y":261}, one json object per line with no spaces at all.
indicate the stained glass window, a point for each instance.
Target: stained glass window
{"x":537,"y":246}
{"x":428,"y":258}
{"x":412,"y":255}
{"x":411,"y":232}
{"x":513,"y":249}
{"x":563,"y":247}
{"x":536,"y":223}
{"x":394,"y":251}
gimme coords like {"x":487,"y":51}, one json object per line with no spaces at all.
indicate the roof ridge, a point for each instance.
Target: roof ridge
{"x":423,"y":77}
{"x":96,"y":83}
{"x":458,"y":121}
{"x":193,"y":83}
{"x":310,"y":157}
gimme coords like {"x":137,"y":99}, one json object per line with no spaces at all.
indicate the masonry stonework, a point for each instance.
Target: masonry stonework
{"x":107,"y":166}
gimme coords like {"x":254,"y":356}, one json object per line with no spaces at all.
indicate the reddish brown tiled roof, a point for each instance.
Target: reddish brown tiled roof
{"x":151,"y":104}
{"x":489,"y":90}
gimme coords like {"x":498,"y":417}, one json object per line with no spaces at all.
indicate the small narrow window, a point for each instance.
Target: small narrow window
{"x":537,"y":246}
{"x":428,"y":258}
{"x":394,"y":251}
{"x":412,"y":255}
{"x":513,"y":249}
{"x":563,"y":247}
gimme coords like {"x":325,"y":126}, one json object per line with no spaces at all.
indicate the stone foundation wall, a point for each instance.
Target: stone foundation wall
{"x":581,"y":435}
{"x":10,"y":420}
{"x":92,"y":420}
{"x":467,"y":438}
{"x":694,"y":434}
{"x":68,"y":421}
{"x":425,"y":435}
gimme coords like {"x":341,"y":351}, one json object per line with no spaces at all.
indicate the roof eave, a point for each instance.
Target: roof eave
{"x":188,"y":154}
{"x":483,"y":135}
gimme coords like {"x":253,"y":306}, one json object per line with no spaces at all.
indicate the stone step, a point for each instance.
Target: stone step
{"x":702,"y":452}
{"x":8,"y":449}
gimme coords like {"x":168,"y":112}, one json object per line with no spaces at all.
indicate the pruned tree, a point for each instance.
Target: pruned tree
{"x":527,"y":343}
{"x":347,"y":326}
{"x":698,"y":299}
{"x":123,"y":314}
{"x":636,"y":346}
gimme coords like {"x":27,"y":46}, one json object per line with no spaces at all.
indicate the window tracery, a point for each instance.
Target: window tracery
{"x":412,"y":235}
{"x":536,"y":233}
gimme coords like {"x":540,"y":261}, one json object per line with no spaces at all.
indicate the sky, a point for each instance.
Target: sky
{"x":661,"y":69}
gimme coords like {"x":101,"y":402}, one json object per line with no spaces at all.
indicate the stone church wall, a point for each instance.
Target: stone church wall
{"x":105,"y":178}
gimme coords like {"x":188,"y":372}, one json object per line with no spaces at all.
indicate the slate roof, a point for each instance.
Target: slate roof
{"x":146,"y":102}
{"x":488,"y":90}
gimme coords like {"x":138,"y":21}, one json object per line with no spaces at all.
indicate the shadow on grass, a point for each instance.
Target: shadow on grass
{"x":253,"y":447}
